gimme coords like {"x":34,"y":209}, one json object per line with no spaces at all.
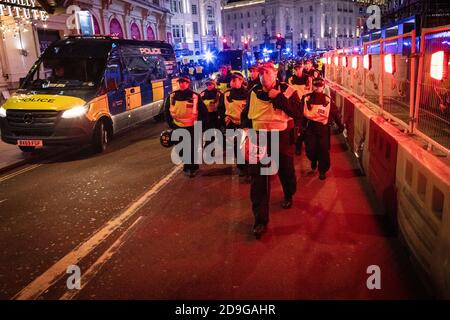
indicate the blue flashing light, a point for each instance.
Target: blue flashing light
{"x":308,"y":49}
{"x":209,"y":56}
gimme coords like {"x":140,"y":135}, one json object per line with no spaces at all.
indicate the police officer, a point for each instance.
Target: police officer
{"x":319,"y":114}
{"x":299,"y":81}
{"x":211,"y":97}
{"x":198,"y":72}
{"x":272,"y":106}
{"x":231,"y":104}
{"x":224,"y":79}
{"x":309,"y":72}
{"x":253,"y":79}
{"x":182,"y":109}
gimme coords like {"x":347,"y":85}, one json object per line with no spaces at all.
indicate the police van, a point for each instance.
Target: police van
{"x":83,"y":90}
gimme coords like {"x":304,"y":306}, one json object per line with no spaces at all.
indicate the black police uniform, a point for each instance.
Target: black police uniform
{"x":212,"y":97}
{"x":251,"y":83}
{"x":233,"y":96}
{"x":260,"y":184}
{"x":299,"y":81}
{"x":187,"y":96}
{"x":317,"y":134}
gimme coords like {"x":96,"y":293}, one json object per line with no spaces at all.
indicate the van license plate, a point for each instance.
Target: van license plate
{"x":30,"y":143}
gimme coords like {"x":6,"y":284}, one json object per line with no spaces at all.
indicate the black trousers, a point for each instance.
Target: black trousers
{"x":260,"y":184}
{"x":299,"y":141}
{"x":231,"y":125}
{"x":317,"y":141}
{"x":191,"y":166}
{"x":213,"y":123}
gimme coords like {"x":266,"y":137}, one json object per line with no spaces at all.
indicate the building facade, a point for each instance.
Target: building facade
{"x":196,"y":25}
{"x":24,"y":34}
{"x":308,"y":23}
{"x":430,"y":12}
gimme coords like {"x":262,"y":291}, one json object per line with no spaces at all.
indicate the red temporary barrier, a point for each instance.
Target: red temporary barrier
{"x":348,"y":119}
{"x":382,"y":166}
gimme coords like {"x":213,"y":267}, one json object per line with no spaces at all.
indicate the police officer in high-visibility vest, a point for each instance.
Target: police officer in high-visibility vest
{"x":182,"y":109}
{"x":253,"y":79}
{"x":309,"y":72}
{"x":272,"y":106}
{"x":231,"y":104}
{"x":319,"y":113}
{"x":211,"y":97}
{"x":198,"y":72}
{"x":299,"y":81}
{"x":191,"y":71}
{"x":223,"y":81}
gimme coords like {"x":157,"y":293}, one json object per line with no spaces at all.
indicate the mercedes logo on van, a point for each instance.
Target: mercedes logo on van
{"x":28,"y":118}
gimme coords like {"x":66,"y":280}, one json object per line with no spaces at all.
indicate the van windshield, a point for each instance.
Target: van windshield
{"x":69,"y":65}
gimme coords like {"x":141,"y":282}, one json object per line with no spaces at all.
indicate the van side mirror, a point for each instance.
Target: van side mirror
{"x":21,"y":81}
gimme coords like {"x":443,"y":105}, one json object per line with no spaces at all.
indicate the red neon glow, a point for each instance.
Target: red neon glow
{"x":389,"y":63}
{"x":355,"y":62}
{"x":437,"y":65}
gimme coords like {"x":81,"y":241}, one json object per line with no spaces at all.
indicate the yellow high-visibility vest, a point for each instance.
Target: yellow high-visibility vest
{"x":211,"y":104}
{"x":184,"y":113}
{"x":234,"y":108}
{"x":265,"y":117}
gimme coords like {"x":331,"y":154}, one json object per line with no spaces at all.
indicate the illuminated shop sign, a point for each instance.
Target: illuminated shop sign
{"x":26,"y":9}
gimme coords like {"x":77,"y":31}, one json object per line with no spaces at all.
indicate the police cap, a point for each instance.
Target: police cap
{"x":318,"y":82}
{"x":267,"y":66}
{"x":236,"y":74}
{"x":184,"y":79}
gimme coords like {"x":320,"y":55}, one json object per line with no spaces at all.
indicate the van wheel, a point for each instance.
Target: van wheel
{"x":100,"y":138}
{"x":27,"y":149}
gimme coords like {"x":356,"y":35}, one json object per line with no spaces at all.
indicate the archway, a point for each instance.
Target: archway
{"x":115,"y":28}
{"x":135,"y":32}
{"x":150,"y":33}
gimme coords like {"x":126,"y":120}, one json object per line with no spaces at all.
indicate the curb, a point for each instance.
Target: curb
{"x":23,"y":162}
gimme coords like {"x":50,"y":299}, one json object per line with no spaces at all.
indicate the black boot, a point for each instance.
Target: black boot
{"x":322,"y":176}
{"x":259,"y":230}
{"x":287,"y":203}
{"x":313,"y":165}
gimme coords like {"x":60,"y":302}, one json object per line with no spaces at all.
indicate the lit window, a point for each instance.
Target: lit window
{"x":437,"y":65}
{"x":389,"y":66}
{"x":355,"y":62}
{"x":329,"y":60}
{"x":344,"y":61}
{"x":366,"y":62}
{"x":336,"y":61}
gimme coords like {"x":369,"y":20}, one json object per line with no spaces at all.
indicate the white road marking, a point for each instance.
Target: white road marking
{"x":16,"y":173}
{"x":55,"y":272}
{"x":3,"y":200}
{"x":90,"y":273}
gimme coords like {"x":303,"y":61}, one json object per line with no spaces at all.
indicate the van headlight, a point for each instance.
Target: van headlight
{"x":75,"y":112}
{"x":2,"y":112}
